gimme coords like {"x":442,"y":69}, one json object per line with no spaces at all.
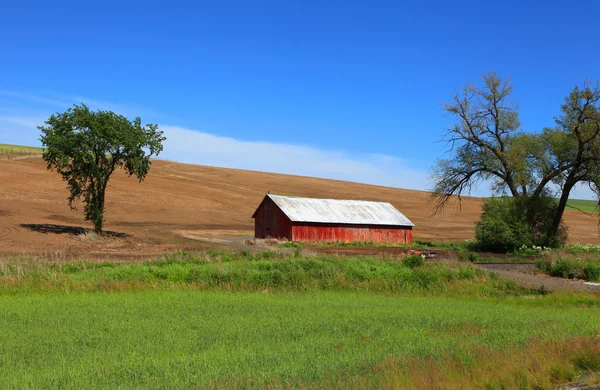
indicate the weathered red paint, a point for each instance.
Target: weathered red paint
{"x":346,"y":233}
{"x":270,"y":221}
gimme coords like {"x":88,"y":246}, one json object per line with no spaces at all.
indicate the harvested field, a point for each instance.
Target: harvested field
{"x":179,"y":205}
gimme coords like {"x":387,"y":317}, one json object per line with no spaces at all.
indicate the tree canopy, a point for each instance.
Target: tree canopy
{"x":486,"y":143}
{"x":85,"y":147}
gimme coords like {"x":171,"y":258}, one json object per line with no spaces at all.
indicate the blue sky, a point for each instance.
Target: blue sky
{"x":348,"y":90}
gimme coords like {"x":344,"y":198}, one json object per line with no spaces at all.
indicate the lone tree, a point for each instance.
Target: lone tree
{"x":487,"y":144}
{"x":85,"y":148}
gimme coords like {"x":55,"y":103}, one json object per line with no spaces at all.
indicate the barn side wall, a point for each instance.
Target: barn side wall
{"x":347,"y":233}
{"x":271,"y":222}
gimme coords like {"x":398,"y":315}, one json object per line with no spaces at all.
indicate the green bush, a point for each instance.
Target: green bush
{"x":561,"y":268}
{"x":501,"y":227}
{"x":469,"y":256}
{"x":413,"y":261}
{"x":592,"y":272}
{"x":507,"y":224}
{"x":544,"y":265}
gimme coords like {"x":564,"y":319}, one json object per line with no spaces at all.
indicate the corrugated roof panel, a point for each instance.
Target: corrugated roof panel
{"x":340,"y":211}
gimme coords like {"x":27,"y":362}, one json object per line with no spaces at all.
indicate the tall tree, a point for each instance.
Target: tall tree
{"x":486,"y":144}
{"x":86,"y":147}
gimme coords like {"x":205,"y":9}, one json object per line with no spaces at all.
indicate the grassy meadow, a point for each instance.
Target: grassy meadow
{"x":588,"y":206}
{"x":251,"y":271}
{"x":285,"y":320}
{"x":8,"y":151}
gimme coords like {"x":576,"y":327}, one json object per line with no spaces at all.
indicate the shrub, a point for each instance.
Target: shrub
{"x":413,"y":261}
{"x":561,"y":268}
{"x":544,"y":265}
{"x":501,"y":227}
{"x":507,"y":224}
{"x":474,"y":257}
{"x":469,"y":256}
{"x":592,"y":272}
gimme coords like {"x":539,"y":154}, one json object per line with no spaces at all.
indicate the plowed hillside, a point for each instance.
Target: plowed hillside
{"x":180,"y":202}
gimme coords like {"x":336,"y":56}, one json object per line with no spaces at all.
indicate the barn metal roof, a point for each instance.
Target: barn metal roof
{"x":340,"y":211}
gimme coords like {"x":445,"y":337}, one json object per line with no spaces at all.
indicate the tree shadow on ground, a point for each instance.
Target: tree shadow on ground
{"x":48,"y":228}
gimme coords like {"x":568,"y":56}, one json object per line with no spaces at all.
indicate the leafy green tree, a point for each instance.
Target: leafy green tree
{"x":487,"y":144}
{"x":85,"y":147}
{"x":504,"y":225}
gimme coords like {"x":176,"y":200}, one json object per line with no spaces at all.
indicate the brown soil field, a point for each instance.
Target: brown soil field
{"x":186,"y":207}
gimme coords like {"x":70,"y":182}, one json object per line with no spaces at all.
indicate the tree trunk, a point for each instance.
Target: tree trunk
{"x":99,"y":209}
{"x":562,"y":204}
{"x":511,"y":186}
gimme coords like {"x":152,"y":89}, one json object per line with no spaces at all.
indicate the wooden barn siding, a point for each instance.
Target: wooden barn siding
{"x":270,"y":216}
{"x":346,"y":233}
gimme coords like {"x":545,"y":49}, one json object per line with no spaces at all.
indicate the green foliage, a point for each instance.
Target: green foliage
{"x":562,"y":268}
{"x":592,"y":272}
{"x":568,"y":268}
{"x":413,"y":261}
{"x":551,"y":267}
{"x":469,"y":256}
{"x":503,"y":226}
{"x":486,"y":143}
{"x":85,"y":148}
{"x":506,"y":225}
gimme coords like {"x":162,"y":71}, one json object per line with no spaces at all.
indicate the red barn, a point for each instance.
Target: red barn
{"x":308,"y":219}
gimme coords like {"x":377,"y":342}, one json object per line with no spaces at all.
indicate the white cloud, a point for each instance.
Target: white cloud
{"x":21,"y":113}
{"x":190,"y":146}
{"x":20,"y":130}
{"x":62,"y":102}
{"x":24,"y":122}
{"x":34,"y":98}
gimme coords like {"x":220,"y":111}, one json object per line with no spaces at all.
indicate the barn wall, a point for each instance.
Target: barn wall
{"x":347,"y":233}
{"x":270,"y":221}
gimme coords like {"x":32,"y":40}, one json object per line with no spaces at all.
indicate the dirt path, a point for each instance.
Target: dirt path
{"x":525,"y":275}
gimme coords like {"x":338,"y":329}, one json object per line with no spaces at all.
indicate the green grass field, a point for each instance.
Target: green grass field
{"x":588,"y":206}
{"x":255,"y":320}
{"x":188,"y":339}
{"x":16,"y":150}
